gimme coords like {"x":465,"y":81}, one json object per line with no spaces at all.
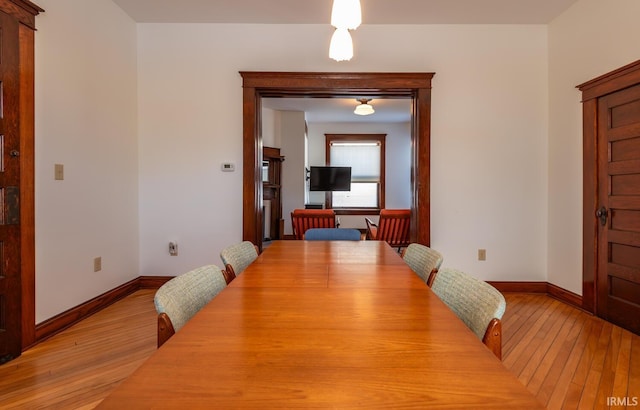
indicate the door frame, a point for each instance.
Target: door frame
{"x":257,"y":84}
{"x":25,"y":12}
{"x":592,"y":90}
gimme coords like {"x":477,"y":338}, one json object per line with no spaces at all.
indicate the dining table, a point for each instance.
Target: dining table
{"x":323,"y":324}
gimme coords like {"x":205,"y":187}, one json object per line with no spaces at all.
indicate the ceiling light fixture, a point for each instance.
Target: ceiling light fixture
{"x":364,"y":108}
{"x":345,"y":15}
{"x":341,"y":47}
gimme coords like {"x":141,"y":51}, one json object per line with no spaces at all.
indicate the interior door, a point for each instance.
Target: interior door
{"x":10,"y":285}
{"x":618,"y":241}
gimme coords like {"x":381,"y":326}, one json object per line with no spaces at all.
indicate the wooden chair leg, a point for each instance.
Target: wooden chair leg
{"x":432,"y":277}
{"x":493,"y":337}
{"x":165,"y":328}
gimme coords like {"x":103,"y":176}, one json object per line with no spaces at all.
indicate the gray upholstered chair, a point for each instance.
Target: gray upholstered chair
{"x":237,"y":257}
{"x":422,"y":260}
{"x":479,"y":305}
{"x":332,"y":234}
{"x":183,"y":296}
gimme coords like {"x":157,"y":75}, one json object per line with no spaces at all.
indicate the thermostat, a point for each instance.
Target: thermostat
{"x":228,"y":167}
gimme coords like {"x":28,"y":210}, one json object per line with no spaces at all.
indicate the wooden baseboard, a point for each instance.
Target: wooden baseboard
{"x":550,"y":289}
{"x":564,"y":295}
{"x":72,"y":316}
{"x":524,"y":287}
{"x":152,"y":282}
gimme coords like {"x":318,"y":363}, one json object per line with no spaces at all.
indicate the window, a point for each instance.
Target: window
{"x":365,"y":154}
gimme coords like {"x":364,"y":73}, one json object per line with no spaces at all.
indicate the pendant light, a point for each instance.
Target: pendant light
{"x":346,"y":14}
{"x":341,"y":47}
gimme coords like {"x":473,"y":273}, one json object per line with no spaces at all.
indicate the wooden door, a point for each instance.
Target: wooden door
{"x":618,"y":211}
{"x":10,"y":282}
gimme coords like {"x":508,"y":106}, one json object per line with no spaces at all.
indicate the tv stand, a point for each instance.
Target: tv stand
{"x":313,"y":206}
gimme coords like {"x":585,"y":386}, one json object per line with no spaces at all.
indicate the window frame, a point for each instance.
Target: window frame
{"x":379,"y":138}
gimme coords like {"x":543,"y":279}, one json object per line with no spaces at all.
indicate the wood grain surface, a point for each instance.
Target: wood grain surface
{"x":337,"y":344}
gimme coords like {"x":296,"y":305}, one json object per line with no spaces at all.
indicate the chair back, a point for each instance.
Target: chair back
{"x":332,"y":234}
{"x":393,"y":227}
{"x":423,"y":260}
{"x":304,"y":219}
{"x":183,"y":296}
{"x":237,"y":257}
{"x":479,"y":305}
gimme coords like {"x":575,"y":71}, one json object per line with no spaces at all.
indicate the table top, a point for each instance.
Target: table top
{"x":326,"y":325}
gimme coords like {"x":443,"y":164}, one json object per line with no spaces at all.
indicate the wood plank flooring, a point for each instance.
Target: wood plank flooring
{"x":567,"y":358}
{"x":78,"y":367}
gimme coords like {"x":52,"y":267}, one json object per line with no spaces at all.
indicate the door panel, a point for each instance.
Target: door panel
{"x":10,"y":284}
{"x":618,"y":277}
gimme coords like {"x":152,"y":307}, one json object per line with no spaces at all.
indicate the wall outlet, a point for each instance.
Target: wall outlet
{"x":482,"y":254}
{"x":97,"y":264}
{"x":173,"y":248}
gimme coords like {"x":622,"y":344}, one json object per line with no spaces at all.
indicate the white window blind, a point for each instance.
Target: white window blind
{"x":364,"y":159}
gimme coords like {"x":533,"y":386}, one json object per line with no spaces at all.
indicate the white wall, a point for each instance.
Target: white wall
{"x":292,"y":137}
{"x":86,"y":119}
{"x":161,"y":133}
{"x":269,"y":137}
{"x":398,"y":161}
{"x":590,"y":39}
{"x":489,"y":133}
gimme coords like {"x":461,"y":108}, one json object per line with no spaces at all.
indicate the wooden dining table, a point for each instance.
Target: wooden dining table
{"x":323,"y":324}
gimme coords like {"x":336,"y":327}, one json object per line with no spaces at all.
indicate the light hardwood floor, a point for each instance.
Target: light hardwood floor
{"x":567,"y":358}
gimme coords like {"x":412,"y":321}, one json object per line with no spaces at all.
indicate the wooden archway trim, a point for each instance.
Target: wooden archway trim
{"x":416,"y":86}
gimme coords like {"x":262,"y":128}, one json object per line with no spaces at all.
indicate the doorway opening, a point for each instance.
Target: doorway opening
{"x":258,"y":85}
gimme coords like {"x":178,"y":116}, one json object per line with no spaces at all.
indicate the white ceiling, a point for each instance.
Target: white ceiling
{"x":319,"y":12}
{"x":341,"y":109}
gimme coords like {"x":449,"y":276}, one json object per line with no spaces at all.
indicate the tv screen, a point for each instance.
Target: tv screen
{"x":330,"y":179}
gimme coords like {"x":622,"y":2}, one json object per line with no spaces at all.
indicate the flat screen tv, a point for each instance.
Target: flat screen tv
{"x":329,"y":178}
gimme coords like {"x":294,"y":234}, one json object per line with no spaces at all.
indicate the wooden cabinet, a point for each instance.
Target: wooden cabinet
{"x":272,"y":193}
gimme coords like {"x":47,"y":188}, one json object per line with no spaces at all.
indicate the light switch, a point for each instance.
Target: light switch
{"x":58,"y":172}
{"x":482,"y":254}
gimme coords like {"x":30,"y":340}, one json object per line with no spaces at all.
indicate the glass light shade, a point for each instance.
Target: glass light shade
{"x":346,"y":14}
{"x":364,"y":109}
{"x":341,"y":47}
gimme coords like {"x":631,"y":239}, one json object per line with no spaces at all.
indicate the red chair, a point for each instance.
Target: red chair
{"x":303,"y":219}
{"x":392,"y":227}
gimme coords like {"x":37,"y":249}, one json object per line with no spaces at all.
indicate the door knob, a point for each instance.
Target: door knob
{"x":602,"y":213}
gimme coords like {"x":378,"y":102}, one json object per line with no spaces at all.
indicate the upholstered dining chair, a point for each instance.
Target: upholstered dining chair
{"x":332,"y":234}
{"x":303,"y":219}
{"x":392,"y":227}
{"x":479,"y":305}
{"x":423,"y":260}
{"x":183,"y":296}
{"x":237,"y":257}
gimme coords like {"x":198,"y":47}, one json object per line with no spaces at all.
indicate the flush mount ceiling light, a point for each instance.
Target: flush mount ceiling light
{"x":345,"y":15}
{"x":364,"y":108}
